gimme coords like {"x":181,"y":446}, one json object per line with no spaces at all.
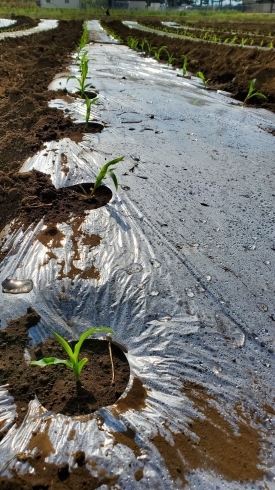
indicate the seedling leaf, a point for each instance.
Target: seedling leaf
{"x":104,"y":170}
{"x":47,"y":361}
{"x":113,"y":177}
{"x":84,"y":336}
{"x":73,"y":363}
{"x":64,"y":344}
{"x":81,"y":364}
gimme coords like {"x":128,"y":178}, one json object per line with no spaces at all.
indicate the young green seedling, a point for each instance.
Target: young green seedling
{"x":203,"y":79}
{"x":73,"y":363}
{"x":251,"y":92}
{"x":149,"y":48}
{"x":157,"y":53}
{"x":89,"y":103}
{"x":106,"y":170}
{"x":132,"y":42}
{"x":184,"y":66}
{"x":170,"y":58}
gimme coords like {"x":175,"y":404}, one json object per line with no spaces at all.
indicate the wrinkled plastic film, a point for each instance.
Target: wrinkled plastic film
{"x":158,"y":299}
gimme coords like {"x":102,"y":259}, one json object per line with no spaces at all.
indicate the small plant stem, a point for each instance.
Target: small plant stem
{"x":82,"y":189}
{"x":112,"y":364}
{"x":78,"y":386}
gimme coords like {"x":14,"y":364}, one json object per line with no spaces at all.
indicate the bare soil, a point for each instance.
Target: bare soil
{"x":21,"y":23}
{"x":28,"y":65}
{"x":226,"y":67}
{"x":57,"y":391}
{"x":55,"y":386}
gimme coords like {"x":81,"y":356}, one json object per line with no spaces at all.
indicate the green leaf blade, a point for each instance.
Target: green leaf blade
{"x":84,"y":336}
{"x":114,"y":179}
{"x":81,"y":364}
{"x":64,"y":344}
{"x":260,"y":95}
{"x":47,"y":361}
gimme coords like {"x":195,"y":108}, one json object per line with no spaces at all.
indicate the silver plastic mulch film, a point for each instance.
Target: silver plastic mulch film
{"x":196,"y":339}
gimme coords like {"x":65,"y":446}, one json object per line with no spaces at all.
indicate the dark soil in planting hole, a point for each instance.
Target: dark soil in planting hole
{"x":54,"y":386}
{"x":226,"y":67}
{"x":31,"y":196}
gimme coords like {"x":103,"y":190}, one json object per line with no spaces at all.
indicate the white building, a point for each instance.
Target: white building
{"x":61,"y":4}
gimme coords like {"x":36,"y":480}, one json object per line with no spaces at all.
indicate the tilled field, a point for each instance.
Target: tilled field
{"x":225,"y":66}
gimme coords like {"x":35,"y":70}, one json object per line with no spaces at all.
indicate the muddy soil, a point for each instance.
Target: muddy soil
{"x":28,"y":65}
{"x":21,"y":23}
{"x":226,"y":67}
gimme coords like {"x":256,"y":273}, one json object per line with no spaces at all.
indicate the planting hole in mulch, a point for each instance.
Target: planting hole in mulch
{"x":54,"y":385}
{"x":33,"y":196}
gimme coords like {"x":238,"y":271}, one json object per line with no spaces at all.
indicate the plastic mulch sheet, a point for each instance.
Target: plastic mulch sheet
{"x":185,"y":280}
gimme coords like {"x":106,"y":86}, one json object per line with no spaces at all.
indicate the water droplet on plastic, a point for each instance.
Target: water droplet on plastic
{"x":267,"y":262}
{"x":134,"y":268}
{"x":262,"y":307}
{"x":14,"y":286}
{"x":199,"y":288}
{"x":217,"y":369}
{"x":140,"y":286}
{"x":155,"y":263}
{"x":154,"y":293}
{"x":189,"y":293}
{"x":165,"y":318}
{"x":195,"y":245}
{"x":208,"y":278}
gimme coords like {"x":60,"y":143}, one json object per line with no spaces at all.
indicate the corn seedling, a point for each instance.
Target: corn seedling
{"x":73,"y":362}
{"x":271,"y":45}
{"x":233,"y":40}
{"x":262,"y":43}
{"x":251,"y":92}
{"x":89,"y":103}
{"x":106,"y":170}
{"x":143,"y":45}
{"x":132,"y":42}
{"x":83,"y":40}
{"x":170,"y":58}
{"x":149,"y":48}
{"x":103,"y":173}
{"x":82,"y":85}
{"x":226,"y":41}
{"x":252,"y":42}
{"x":243,"y":41}
{"x":184,"y":66}
{"x":158,"y":52}
{"x":202,"y":77}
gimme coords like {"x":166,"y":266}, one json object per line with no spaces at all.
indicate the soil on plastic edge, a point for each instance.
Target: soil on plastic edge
{"x":215,"y":444}
{"x":32,"y":196}
{"x":226,"y":67}
{"x":21,"y":23}
{"x":28,"y":65}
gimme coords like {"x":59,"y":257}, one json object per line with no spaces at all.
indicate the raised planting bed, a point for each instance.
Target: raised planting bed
{"x":225,"y":66}
{"x":172,"y":270}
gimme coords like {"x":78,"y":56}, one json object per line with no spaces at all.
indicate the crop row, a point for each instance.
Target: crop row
{"x":226,"y":37}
